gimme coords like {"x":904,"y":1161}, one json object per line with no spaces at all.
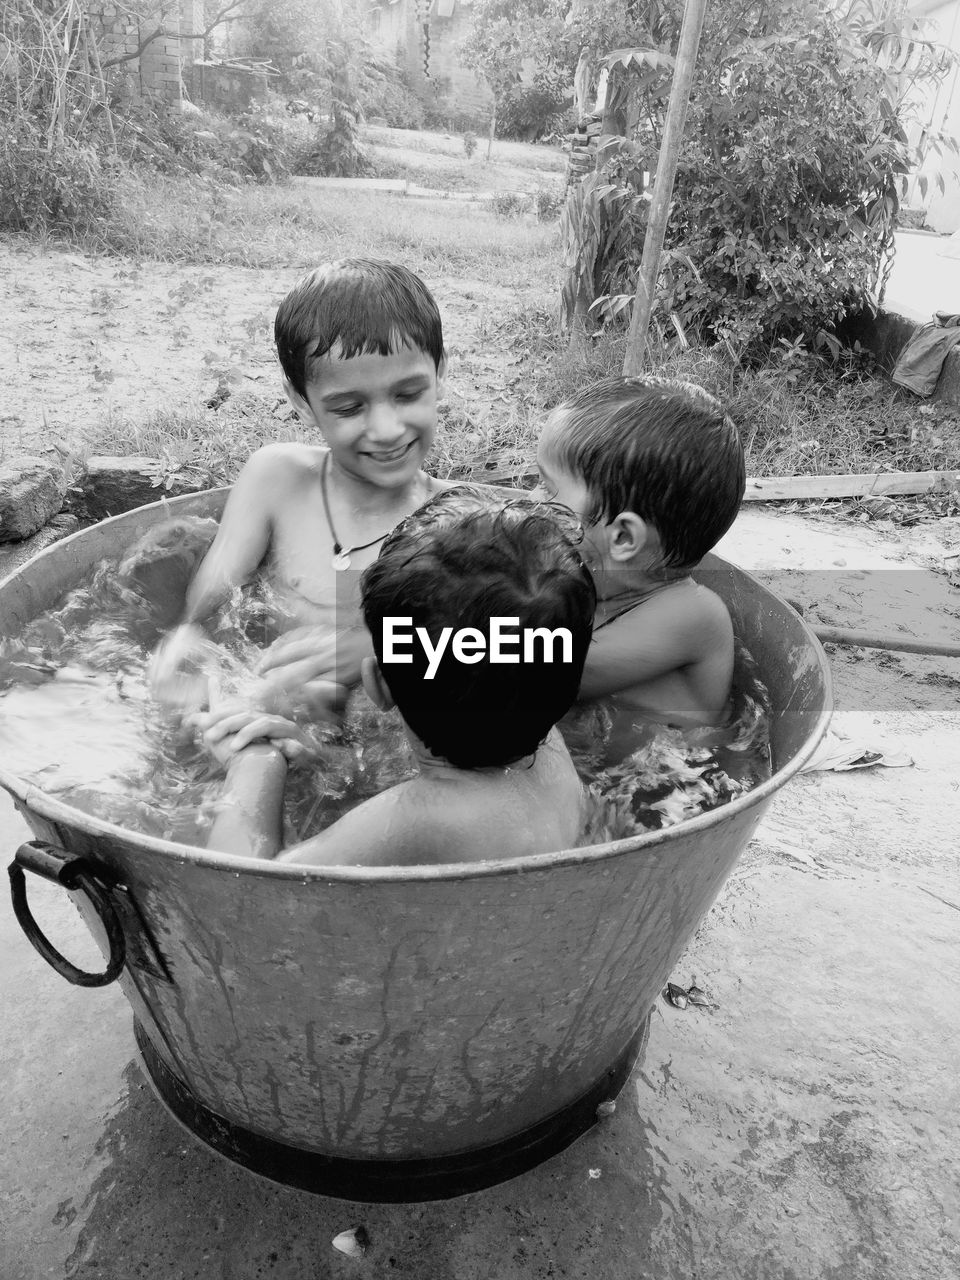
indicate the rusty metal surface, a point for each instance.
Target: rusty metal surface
{"x":378,"y":1012}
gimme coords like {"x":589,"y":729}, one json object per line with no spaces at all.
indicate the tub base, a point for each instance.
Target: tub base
{"x":388,"y":1181}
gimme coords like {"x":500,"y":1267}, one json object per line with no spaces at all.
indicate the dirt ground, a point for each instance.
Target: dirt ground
{"x":86,"y":338}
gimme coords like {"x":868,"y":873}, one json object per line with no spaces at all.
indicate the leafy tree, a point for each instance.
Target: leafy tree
{"x":528,"y":50}
{"x":787,"y":191}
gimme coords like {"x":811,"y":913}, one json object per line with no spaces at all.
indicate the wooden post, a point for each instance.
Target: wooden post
{"x":693,"y":13}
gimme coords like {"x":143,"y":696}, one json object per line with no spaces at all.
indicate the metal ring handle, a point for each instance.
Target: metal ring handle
{"x":72,"y":873}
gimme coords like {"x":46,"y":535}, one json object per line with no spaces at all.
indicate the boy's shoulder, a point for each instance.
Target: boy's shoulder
{"x":421,"y":823}
{"x":284,"y":457}
{"x":686,"y":609}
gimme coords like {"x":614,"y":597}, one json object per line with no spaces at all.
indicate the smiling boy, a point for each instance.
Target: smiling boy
{"x":361,"y":347}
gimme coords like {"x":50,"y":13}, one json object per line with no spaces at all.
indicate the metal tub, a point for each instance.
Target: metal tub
{"x":408,"y":1033}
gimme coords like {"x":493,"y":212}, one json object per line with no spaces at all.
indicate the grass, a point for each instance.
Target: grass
{"x":430,"y":143}
{"x":186,"y":220}
{"x":798,"y":418}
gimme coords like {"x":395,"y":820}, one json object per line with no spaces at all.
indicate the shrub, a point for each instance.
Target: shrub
{"x":548,"y":201}
{"x":63,"y":187}
{"x":508,"y":204}
{"x":470,"y":144}
{"x":532,"y":113}
{"x":386,"y":94}
{"x":787,"y":187}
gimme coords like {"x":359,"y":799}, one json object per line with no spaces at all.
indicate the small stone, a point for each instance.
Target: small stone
{"x":606,"y":1109}
{"x":31,"y":491}
{"x":353,"y":1242}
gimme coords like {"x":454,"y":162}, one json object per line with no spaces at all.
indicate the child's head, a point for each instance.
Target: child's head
{"x":357,"y":306}
{"x":662,"y":450}
{"x":361,"y":345}
{"x":458,"y":562}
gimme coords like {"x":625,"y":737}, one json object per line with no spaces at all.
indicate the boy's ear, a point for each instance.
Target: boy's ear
{"x":299,"y":403}
{"x":627,"y":535}
{"x":371,"y":677}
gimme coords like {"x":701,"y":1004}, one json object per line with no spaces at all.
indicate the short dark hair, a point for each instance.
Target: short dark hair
{"x":460,"y":560}
{"x":661,"y":448}
{"x":365,"y":305}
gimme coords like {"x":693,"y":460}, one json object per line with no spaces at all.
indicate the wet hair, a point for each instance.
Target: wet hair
{"x":663,"y":449}
{"x":460,"y":560}
{"x":361,"y":305}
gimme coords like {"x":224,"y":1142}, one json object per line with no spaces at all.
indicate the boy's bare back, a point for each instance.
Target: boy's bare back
{"x":459,"y":815}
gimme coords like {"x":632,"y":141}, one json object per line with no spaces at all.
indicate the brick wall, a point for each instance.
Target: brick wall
{"x":156,"y":73}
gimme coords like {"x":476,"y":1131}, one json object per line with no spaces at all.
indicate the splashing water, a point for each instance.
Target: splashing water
{"x":79,"y":722}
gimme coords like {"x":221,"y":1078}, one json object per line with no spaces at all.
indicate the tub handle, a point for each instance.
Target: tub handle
{"x":73,"y":873}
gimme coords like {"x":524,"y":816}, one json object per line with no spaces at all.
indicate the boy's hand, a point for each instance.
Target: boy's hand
{"x":175,"y":674}
{"x":226,"y":735}
{"x":320,"y":701}
{"x":312,"y":653}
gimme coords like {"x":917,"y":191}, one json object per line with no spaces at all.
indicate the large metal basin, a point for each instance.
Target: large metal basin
{"x":409,"y":1033}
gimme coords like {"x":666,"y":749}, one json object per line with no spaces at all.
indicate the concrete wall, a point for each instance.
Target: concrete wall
{"x":433,"y":65}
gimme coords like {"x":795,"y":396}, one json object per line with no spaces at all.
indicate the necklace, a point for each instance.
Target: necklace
{"x":341,"y":554}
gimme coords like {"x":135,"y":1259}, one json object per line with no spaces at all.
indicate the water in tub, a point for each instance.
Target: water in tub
{"x":77,"y":719}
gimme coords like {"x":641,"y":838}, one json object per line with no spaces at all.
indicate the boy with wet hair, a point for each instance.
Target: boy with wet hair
{"x":361,"y":346}
{"x":655,"y":470}
{"x":495,"y":779}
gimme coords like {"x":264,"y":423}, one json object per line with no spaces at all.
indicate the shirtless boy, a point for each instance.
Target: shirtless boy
{"x":361,"y":347}
{"x":655,"y":470}
{"x":495,"y":779}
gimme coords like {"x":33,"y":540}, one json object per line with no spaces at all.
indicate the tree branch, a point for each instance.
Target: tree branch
{"x":226,"y":14}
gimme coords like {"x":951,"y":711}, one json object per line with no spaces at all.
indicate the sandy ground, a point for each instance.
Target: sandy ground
{"x":84,"y":339}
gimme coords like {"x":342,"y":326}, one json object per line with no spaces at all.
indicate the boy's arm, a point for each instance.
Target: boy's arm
{"x":653,"y":640}
{"x":249,"y":817}
{"x":377,"y":833}
{"x":235,"y":554}
{"x":244,"y":534}
{"x":309,"y":654}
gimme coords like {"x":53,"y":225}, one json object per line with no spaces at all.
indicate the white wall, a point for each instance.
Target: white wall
{"x":942,"y":20}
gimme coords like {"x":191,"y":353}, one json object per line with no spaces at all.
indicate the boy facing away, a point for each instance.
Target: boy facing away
{"x":361,"y":347}
{"x":655,"y":470}
{"x":495,"y":779}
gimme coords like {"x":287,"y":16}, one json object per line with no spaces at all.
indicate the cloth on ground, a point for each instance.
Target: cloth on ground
{"x":919,"y":364}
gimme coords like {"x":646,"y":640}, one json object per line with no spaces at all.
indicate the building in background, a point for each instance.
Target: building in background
{"x":423,"y":37}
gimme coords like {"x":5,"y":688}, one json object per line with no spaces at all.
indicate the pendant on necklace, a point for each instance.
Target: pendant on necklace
{"x":341,"y":561}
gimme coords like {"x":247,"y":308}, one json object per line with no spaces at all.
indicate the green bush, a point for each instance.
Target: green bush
{"x":386,"y":94}
{"x":786,"y":194}
{"x":532,"y":113}
{"x":65,"y":187}
{"x":788,"y":184}
{"x":508,"y":204}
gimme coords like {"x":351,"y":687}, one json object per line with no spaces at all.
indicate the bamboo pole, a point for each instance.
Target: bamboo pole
{"x":693,"y":14}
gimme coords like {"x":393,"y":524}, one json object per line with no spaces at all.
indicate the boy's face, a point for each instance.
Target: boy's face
{"x":556,"y":484}
{"x":378,"y":414}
